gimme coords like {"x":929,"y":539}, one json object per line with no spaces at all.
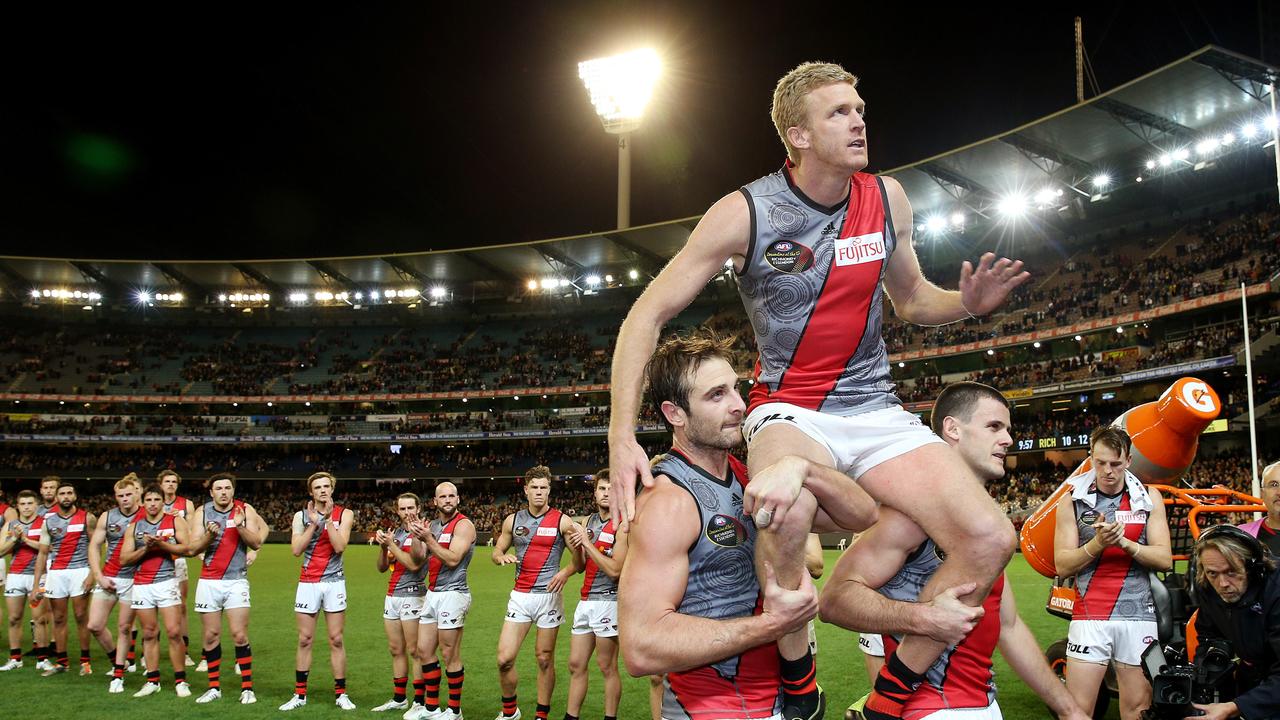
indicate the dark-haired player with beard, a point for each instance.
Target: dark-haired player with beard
{"x":225,"y":530}
{"x":64,"y":549}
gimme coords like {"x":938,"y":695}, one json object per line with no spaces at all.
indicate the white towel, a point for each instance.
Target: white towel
{"x":1084,"y":487}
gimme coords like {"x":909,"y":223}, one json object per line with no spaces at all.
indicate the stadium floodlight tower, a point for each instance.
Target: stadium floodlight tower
{"x":620,"y":88}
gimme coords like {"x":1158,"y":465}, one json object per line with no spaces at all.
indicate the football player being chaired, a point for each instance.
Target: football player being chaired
{"x":538,"y":532}
{"x":816,"y":246}
{"x":595,"y":622}
{"x":449,"y":540}
{"x":226,"y":530}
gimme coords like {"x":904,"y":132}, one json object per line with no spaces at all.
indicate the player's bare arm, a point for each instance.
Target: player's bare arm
{"x":464,"y":536}
{"x":1069,"y":558}
{"x":576,"y":564}
{"x":500,"y":555}
{"x":302,"y":532}
{"x":849,"y":599}
{"x":919,"y":301}
{"x":96,"y":541}
{"x":130,"y":551}
{"x":253,"y":529}
{"x":609,"y":565}
{"x":842,"y":504}
{"x":1022,"y":652}
{"x":657,"y":639}
{"x":722,"y":234}
{"x":340,"y":534}
{"x":398,"y":554}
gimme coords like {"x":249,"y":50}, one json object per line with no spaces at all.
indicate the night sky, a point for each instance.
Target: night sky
{"x":268,"y":131}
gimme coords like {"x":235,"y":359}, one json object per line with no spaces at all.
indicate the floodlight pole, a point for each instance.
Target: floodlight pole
{"x":624,"y":181}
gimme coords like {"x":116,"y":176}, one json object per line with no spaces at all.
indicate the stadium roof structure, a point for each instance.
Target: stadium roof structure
{"x":1187,"y":116}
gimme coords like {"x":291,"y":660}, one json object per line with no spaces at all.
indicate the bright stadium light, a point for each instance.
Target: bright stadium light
{"x":935,"y":224}
{"x":438,"y":292}
{"x":1269,"y":122}
{"x":1181,"y":154}
{"x":144,"y":296}
{"x":593,"y":281}
{"x":1206,"y":146}
{"x":620,"y":87}
{"x":565,"y":282}
{"x":1227,"y":139}
{"x":95,"y":296}
{"x":1166,"y":160}
{"x":222,"y":297}
{"x":532,"y":284}
{"x":608,"y":278}
{"x":1151,"y":164}
{"x":548,"y":283}
{"x":35,"y":293}
{"x":298,"y":297}
{"x":1036,"y":344}
{"x":633,"y":274}
{"x":1101,"y":180}
{"x":1013,"y":205}
{"x":957,"y":219}
{"x":388,"y":293}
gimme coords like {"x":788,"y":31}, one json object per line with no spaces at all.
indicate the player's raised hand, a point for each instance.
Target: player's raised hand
{"x":984,"y":288}
{"x":951,"y":619}
{"x":789,"y":610}
{"x":771,"y":493}
{"x":312,"y":514}
{"x":628,"y":464}
{"x":212,"y":527}
{"x":505,"y":559}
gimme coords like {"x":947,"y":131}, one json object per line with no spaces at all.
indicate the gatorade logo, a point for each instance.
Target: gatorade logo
{"x":1197,"y":395}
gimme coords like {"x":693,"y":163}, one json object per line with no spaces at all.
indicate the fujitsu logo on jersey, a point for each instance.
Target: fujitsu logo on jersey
{"x":860,"y":249}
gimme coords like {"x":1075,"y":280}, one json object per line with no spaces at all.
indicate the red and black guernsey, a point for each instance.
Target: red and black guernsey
{"x":539,"y":546}
{"x":177,"y":507}
{"x":441,"y":577}
{"x":226,"y":558}
{"x":320,"y":563}
{"x":157,"y":565}
{"x":596,"y":584}
{"x":117,"y":525}
{"x":962,"y":677}
{"x":721,"y":585}
{"x":68,"y":540}
{"x":811,"y":289}
{"x":24,"y":558}
{"x":1114,"y":586}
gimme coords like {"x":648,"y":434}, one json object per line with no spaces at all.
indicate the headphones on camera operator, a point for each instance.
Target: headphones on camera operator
{"x":1255,"y":566}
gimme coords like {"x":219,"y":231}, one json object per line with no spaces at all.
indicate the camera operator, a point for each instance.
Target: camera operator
{"x":1243,"y":609}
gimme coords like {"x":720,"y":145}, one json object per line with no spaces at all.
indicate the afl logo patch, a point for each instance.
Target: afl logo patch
{"x":114,"y":528}
{"x":787,"y":220}
{"x":789,"y":257}
{"x":1088,"y":517}
{"x":726,"y":531}
{"x":521,"y":531}
{"x":591,"y":534}
{"x":940,"y":553}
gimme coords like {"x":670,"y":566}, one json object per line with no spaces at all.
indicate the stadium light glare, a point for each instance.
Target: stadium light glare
{"x":35,"y":293}
{"x":222,"y":297}
{"x":298,"y":297}
{"x":144,"y":296}
{"x":438,"y":292}
{"x":957,"y":219}
{"x":548,"y":283}
{"x":1248,"y":130}
{"x":564,"y":282}
{"x":1036,"y":344}
{"x":1166,"y":160}
{"x":935,"y":224}
{"x":177,"y":297}
{"x":1269,"y":122}
{"x":633,"y":274}
{"x":594,"y":280}
{"x":621,"y":86}
{"x":388,"y":293}
{"x":1078,"y":338}
{"x":1181,"y":154}
{"x":1101,"y":180}
{"x":1206,"y":146}
{"x":608,"y":278}
{"x":532,"y":284}
{"x":1120,"y":330}
{"x":1138,"y":179}
{"x":1227,"y":139}
{"x":1151,"y":164}
{"x":1012,"y":206}
{"x":991,"y":352}
{"x":902,"y":364}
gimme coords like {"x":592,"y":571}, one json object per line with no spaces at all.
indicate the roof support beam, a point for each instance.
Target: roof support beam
{"x":490,"y":268}
{"x":405,"y":270}
{"x":1147,"y":126}
{"x":553,"y":256}
{"x":643,"y":255}
{"x":331,"y":274}
{"x":175,"y":275}
{"x":1250,"y":77}
{"x":92,"y":273}
{"x":266,"y":282}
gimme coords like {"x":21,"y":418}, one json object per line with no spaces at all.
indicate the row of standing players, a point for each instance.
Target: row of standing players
{"x":58,"y":550}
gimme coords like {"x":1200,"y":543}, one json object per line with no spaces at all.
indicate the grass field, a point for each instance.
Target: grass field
{"x":273,"y":637}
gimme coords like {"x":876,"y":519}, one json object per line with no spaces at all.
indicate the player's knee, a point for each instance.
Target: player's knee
{"x":546,"y":660}
{"x":577,"y":667}
{"x":96,"y":626}
{"x":304,"y":641}
{"x":607,"y":669}
{"x":240,"y":637}
{"x":15,"y":620}
{"x":150,"y":634}
{"x":506,"y":664}
{"x":335,"y":640}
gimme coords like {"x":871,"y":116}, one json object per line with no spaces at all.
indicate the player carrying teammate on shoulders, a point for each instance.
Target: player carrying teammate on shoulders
{"x":595,"y":621}
{"x":449,"y":542}
{"x":225,"y":530}
{"x":114,"y":582}
{"x":64,"y":550}
{"x":321,"y":532}
{"x":21,"y":539}
{"x":175,"y":504}
{"x":538,"y":533}
{"x":405,"y":592}
{"x":815,"y":247}
{"x":151,"y":542}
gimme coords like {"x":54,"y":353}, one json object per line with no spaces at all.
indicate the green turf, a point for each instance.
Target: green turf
{"x":273,"y":636}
